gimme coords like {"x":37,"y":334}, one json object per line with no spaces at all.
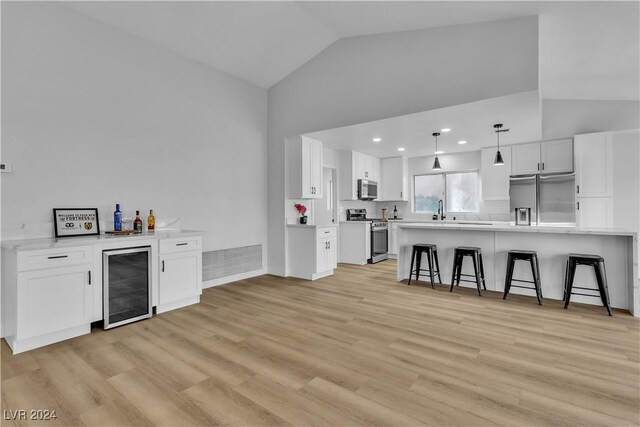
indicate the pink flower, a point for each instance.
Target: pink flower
{"x":301,"y":208}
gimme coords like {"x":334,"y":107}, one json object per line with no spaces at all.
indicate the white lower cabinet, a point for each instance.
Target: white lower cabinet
{"x":47,"y":296}
{"x":393,"y":239}
{"x":312,"y":251}
{"x":180,"y":281}
{"x":594,"y":212}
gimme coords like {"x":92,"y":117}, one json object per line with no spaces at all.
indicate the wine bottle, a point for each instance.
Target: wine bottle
{"x":137,"y":223}
{"x":395,"y":211}
{"x":117,"y":218}
{"x":151,"y":221}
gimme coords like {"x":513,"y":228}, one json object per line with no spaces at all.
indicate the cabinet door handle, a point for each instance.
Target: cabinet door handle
{"x":182,"y":244}
{"x":542,"y":165}
{"x":401,"y":194}
{"x":538,"y":166}
{"x":578,"y":188}
{"x":163,"y":266}
{"x":578,"y":204}
{"x":89,"y":276}
{"x":58,"y":256}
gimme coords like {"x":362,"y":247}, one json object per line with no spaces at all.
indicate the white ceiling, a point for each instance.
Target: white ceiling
{"x":588,"y":50}
{"x":473,"y":122}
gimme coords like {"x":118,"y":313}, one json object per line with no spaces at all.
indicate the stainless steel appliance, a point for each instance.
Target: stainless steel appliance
{"x":126,"y":283}
{"x":367,"y":190}
{"x":550,"y":197}
{"x":379,"y":241}
{"x":523,"y":216}
{"x":379,"y":234}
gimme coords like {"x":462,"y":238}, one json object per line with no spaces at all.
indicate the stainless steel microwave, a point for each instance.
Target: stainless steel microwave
{"x":367,"y":190}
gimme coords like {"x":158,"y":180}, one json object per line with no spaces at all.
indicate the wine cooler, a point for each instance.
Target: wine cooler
{"x":127,"y":285}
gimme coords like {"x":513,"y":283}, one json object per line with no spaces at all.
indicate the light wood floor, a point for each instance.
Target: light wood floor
{"x":357,"y":348}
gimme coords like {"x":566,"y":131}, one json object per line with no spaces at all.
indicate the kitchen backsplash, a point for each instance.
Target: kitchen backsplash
{"x":489,"y":211}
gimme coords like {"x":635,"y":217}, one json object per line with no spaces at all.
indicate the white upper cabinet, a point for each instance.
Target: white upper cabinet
{"x":355,"y":166}
{"x":556,"y":156}
{"x":594,"y":169}
{"x":393,"y":183}
{"x":305,"y":168}
{"x":525,"y":158}
{"x":594,"y":212}
{"x":495,"y":179}
{"x":542,"y":157}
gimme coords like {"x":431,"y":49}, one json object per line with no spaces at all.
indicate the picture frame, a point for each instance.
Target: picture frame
{"x":75,"y":222}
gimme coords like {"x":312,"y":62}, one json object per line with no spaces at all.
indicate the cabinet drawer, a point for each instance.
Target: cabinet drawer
{"x":168,"y":246}
{"x":323,"y":233}
{"x":50,"y":258}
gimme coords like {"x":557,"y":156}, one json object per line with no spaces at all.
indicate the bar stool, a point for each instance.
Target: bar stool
{"x":432,"y":259}
{"x":532,"y":257}
{"x":595,"y":261}
{"x":458,"y":258}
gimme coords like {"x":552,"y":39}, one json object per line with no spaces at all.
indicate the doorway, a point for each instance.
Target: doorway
{"x":326,"y":208}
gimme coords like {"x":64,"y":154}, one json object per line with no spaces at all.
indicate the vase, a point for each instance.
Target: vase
{"x":303,"y":220}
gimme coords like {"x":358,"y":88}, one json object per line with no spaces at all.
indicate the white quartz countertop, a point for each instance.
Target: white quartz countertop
{"x":310,"y":225}
{"x":517,"y":228}
{"x":356,"y":222}
{"x":51,"y":242}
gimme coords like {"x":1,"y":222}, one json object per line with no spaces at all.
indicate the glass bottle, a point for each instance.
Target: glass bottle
{"x":151,"y":221}
{"x":137,"y":223}
{"x":117,"y":218}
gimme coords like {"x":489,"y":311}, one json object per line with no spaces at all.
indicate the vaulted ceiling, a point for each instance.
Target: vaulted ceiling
{"x":588,"y":50}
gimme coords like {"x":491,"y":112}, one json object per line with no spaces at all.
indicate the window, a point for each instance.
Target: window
{"x":459,"y":192}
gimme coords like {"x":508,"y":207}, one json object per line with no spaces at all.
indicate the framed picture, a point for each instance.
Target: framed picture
{"x":72,"y":222}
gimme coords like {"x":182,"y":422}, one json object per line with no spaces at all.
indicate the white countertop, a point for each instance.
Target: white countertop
{"x":356,"y":222}
{"x":51,"y":242}
{"x":310,"y":225}
{"x":517,"y":228}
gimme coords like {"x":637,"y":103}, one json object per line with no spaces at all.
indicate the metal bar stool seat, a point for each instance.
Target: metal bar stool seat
{"x":432,"y":259}
{"x":595,"y":261}
{"x":478,"y":267}
{"x":532,"y":258}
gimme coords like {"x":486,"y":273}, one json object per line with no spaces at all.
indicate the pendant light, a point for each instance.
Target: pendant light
{"x":436,"y":162}
{"x":499,"y":161}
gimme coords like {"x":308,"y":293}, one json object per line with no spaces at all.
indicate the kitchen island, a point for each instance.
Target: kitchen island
{"x":618,"y":247}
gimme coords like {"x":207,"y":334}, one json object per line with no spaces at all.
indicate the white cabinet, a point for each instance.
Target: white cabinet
{"x":596,"y":212}
{"x":355,"y":166}
{"x":47,"y":295}
{"x":393,"y":239}
{"x":311,"y":251}
{"x":542,"y":157}
{"x":594,"y":180}
{"x":393,"y":180}
{"x":180,"y":273}
{"x":305,"y":168}
{"x":355,"y":242}
{"x":495,"y":178}
{"x":594,"y":169}
{"x":556,"y":156}
{"x":525,"y":158}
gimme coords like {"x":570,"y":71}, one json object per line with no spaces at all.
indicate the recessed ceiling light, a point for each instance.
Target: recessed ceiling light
{"x":462,"y":142}
{"x":401,"y":149}
{"x":439,"y":152}
{"x":377,"y":139}
{"x":445,"y":130}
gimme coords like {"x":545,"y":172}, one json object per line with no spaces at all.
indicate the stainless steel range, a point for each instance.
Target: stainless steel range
{"x":379,"y":234}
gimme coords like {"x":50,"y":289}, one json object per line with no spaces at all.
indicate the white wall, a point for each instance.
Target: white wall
{"x":361,"y":79}
{"x":92,"y":117}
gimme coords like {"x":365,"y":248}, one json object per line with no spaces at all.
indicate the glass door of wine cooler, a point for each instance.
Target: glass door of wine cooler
{"x":127,"y":285}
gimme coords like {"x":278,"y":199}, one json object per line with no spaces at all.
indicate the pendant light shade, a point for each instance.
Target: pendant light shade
{"x":436,"y":163}
{"x":499,"y":161}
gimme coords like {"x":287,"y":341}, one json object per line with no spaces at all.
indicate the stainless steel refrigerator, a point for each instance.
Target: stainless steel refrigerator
{"x":551,"y":197}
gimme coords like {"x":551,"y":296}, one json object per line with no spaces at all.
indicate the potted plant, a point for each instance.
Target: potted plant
{"x":302,"y":209}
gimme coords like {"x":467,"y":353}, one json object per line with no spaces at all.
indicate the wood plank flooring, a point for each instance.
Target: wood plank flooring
{"x":356,"y":348}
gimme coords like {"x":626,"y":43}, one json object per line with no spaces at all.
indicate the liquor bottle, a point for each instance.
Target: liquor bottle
{"x":117,"y":218}
{"x":137,"y":223}
{"x":395,"y":212}
{"x":151,"y":221}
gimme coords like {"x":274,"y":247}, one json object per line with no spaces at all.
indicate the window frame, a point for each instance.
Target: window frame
{"x":444,"y":199}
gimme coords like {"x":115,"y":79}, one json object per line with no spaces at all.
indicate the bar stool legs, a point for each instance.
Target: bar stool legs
{"x":478,"y":267}
{"x":532,"y":258}
{"x":595,"y":261}
{"x":432,"y":260}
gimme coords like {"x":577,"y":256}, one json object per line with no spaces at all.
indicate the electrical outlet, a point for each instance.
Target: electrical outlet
{"x":5,"y":167}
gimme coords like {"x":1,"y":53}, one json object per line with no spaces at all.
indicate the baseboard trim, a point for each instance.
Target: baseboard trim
{"x":233,"y":278}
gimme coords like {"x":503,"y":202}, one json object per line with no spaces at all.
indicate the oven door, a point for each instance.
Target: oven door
{"x":379,"y":244}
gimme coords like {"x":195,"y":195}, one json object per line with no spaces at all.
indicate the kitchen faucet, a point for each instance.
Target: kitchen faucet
{"x":441,"y":210}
